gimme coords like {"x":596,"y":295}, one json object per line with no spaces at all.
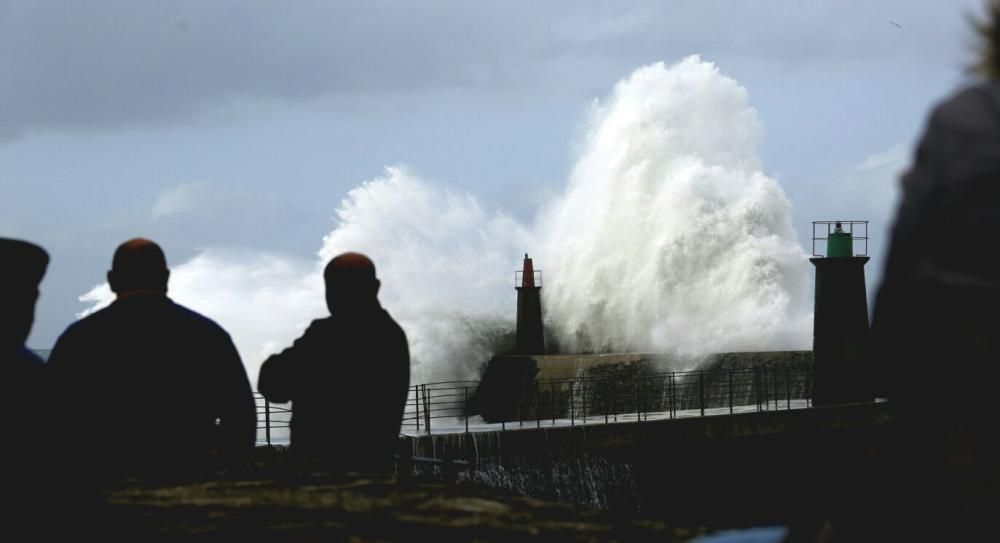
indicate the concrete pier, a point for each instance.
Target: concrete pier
{"x":739,"y":469}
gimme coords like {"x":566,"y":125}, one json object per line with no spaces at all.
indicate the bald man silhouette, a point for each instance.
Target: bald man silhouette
{"x":347,"y":376}
{"x":150,"y":385}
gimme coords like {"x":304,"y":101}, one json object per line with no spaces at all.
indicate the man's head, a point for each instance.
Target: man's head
{"x":138,"y":266}
{"x":350,"y":282}
{"x":22,"y":266}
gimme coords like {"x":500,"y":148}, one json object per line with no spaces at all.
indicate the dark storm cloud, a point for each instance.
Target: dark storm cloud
{"x":83,"y":64}
{"x":101,"y":64}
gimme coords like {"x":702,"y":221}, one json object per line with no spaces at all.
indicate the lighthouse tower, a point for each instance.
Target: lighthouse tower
{"x":530,"y":332}
{"x":840,"y":314}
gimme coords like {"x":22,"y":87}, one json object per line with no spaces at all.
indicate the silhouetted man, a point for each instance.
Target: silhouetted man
{"x":147,"y":384}
{"x":936,"y":325}
{"x":22,"y":266}
{"x":347,"y":376}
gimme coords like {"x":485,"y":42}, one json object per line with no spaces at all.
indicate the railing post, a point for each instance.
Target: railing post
{"x":572,"y":413}
{"x":673,"y":406}
{"x":520,"y":405}
{"x":538,"y":405}
{"x":552,"y":402}
{"x":641,"y":389}
{"x":416,"y":405}
{"x":466,"y":409}
{"x":267,"y":421}
{"x":760,"y":389}
{"x":607,"y":401}
{"x":788,"y":386}
{"x":701,"y":390}
{"x":765,"y":394}
{"x":777,"y":392}
{"x":762,"y":377}
{"x":583,"y":409}
{"x":808,"y":387}
{"x":638,"y":412}
{"x":730,"y":391}
{"x":427,"y":410}
{"x":615,"y":398}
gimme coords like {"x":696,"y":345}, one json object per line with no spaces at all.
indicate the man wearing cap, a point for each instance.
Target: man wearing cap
{"x":150,"y":384}
{"x":22,"y":266}
{"x":347,"y":376}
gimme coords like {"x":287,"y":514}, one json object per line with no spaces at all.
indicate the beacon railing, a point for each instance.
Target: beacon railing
{"x":614,"y":396}
{"x":857,"y":231}
{"x":519,"y":277}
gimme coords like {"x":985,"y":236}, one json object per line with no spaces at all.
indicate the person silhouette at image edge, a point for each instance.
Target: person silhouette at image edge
{"x":22,"y":374}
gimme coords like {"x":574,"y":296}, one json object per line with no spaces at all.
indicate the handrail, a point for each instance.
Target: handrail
{"x":619,"y":396}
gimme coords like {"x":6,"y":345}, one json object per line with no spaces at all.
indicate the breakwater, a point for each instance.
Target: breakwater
{"x":752,"y":467}
{"x":526,"y":387}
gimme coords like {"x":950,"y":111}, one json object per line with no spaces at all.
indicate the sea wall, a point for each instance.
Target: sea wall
{"x":526,"y":387}
{"x":754,"y":467}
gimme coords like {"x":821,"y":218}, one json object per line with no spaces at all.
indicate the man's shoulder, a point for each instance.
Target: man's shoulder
{"x":335,"y":327}
{"x":25,"y":358}
{"x":321,"y":327}
{"x":391,"y":323}
{"x":22,"y":368}
{"x":196,"y":320}
{"x":392,"y":328}
{"x":88,"y":323}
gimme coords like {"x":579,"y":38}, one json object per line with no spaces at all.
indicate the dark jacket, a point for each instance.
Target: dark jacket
{"x":935,"y":321}
{"x":24,"y":480}
{"x":347,"y":378}
{"x":937,"y":330}
{"x":149,"y":382}
{"x":22,"y":374}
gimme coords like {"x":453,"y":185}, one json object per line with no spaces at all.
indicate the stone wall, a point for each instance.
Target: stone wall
{"x":516,"y":388}
{"x":755,"y":467}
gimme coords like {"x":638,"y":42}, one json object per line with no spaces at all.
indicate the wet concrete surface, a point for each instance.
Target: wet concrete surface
{"x":354,"y":507}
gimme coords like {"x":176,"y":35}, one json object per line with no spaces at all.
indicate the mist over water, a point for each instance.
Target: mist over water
{"x":667,"y":238}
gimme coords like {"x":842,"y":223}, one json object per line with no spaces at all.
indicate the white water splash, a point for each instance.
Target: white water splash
{"x":669,"y":238}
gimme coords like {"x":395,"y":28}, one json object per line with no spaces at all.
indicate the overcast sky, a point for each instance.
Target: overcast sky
{"x":241,"y":125}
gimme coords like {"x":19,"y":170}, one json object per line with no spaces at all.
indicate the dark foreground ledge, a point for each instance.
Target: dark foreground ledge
{"x":356,"y":508}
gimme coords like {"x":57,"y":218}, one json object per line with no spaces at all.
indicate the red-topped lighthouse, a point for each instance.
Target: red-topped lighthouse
{"x":530,"y":332}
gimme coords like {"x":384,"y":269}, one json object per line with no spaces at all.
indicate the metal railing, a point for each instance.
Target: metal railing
{"x":536,"y":276}
{"x":858,"y":231}
{"x":615,"y":396}
{"x":270,"y":417}
{"x":435,"y":401}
